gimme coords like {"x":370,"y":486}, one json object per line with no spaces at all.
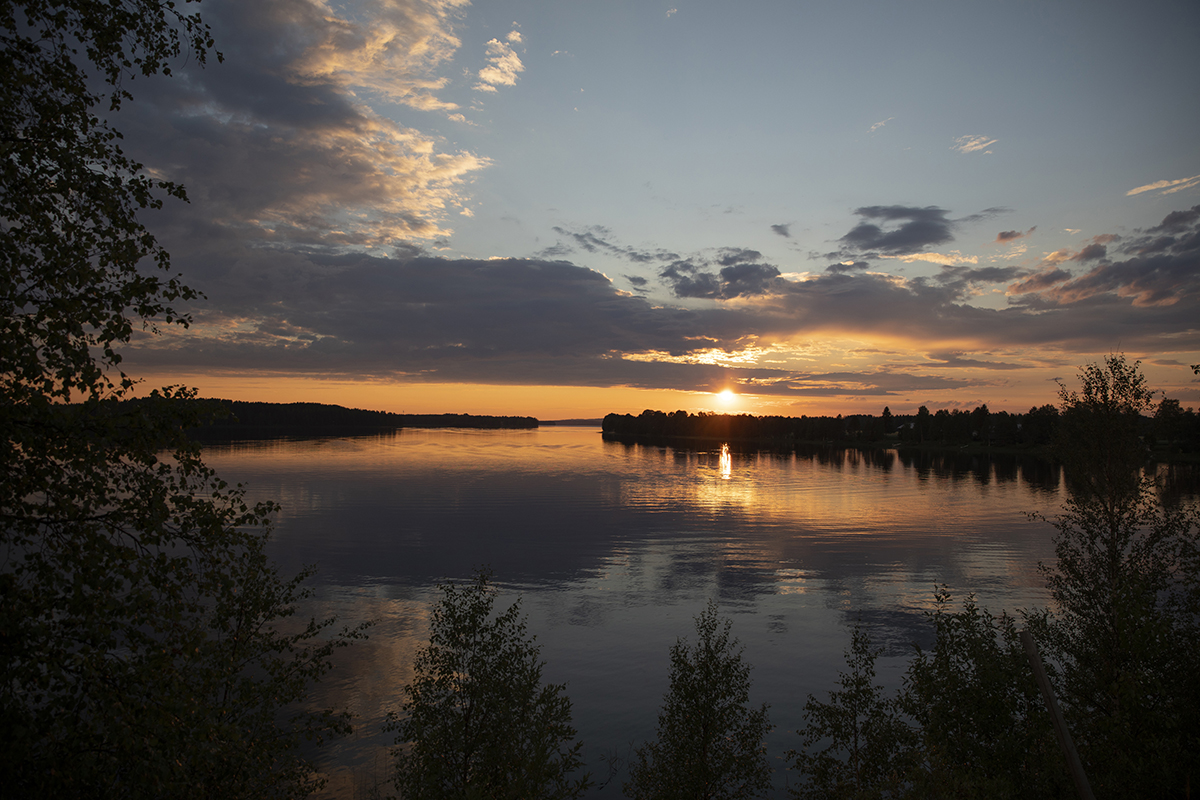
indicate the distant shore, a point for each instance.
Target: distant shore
{"x":238,"y":419}
{"x":1030,"y":435}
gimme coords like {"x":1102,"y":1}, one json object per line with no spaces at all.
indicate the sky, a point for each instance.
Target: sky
{"x":571,"y":208}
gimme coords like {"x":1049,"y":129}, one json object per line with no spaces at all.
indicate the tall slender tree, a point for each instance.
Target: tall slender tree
{"x":477,"y":721}
{"x":709,"y":742}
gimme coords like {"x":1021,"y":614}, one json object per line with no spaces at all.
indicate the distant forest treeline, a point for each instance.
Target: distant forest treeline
{"x":238,"y":419}
{"x":1172,"y":429}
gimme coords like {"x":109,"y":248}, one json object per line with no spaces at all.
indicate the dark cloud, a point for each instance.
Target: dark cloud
{"x":688,"y":280}
{"x":745,"y":279}
{"x":853,"y":266}
{"x":962,"y":282}
{"x":1178,"y":221}
{"x":1040,"y":280}
{"x":957,"y":360}
{"x":910,"y":231}
{"x":782,"y":230}
{"x":729,"y":256}
{"x":527,"y":321}
{"x":1004,"y":237}
{"x":1092,"y":252}
{"x":1178,"y":232}
{"x":1163,"y":272}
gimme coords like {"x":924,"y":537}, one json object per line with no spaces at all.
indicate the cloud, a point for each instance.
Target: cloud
{"x":597,"y":239}
{"x":964,"y":282}
{"x":1167,"y":187}
{"x":1178,"y":221}
{"x":973,"y":144}
{"x":847,"y":266}
{"x":389,"y":47}
{"x":277,"y":142}
{"x":529,"y":321}
{"x":879,"y":125}
{"x":937,"y":258}
{"x":1007,"y":237}
{"x":782,"y":230}
{"x":918,"y":228}
{"x":1041,"y":280}
{"x":503,"y":64}
{"x":737,"y":279}
{"x":1091,"y":252}
{"x":1163,"y":270}
{"x":958,"y":361}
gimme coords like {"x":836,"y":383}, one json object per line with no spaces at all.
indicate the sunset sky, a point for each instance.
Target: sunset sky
{"x":573,"y":207}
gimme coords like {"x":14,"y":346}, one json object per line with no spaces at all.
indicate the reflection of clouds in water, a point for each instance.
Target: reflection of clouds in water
{"x":368,"y":679}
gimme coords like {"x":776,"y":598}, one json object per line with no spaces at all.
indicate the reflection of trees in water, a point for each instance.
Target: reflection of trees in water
{"x":1177,"y":483}
{"x":1040,"y":474}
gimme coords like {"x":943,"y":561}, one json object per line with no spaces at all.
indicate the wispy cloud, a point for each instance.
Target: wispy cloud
{"x":390,"y":47}
{"x":973,"y":144}
{"x":504,"y":65}
{"x":880,"y":124}
{"x":946,"y":259}
{"x":782,"y":230}
{"x":1167,"y":187}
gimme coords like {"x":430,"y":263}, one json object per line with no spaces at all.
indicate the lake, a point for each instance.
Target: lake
{"x":615,"y":548}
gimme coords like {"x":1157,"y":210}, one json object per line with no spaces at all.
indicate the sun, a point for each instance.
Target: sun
{"x":726,"y":396}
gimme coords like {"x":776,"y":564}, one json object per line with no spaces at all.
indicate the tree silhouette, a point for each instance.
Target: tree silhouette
{"x":709,"y":742}
{"x":477,"y":722}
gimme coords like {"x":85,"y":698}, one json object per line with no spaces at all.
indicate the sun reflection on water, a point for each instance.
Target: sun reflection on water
{"x":726,"y":463}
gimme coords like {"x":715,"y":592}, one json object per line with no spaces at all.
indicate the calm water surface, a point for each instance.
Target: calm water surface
{"x":615,"y":548}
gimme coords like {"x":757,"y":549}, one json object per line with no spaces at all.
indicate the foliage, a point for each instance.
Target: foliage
{"x":1121,"y":640}
{"x":1098,"y":437}
{"x":968,"y":722}
{"x":140,"y":652}
{"x":477,"y":722}
{"x":145,"y":648}
{"x":981,"y":728}
{"x":709,"y":742}
{"x":866,"y":739}
{"x":1124,"y":624}
{"x":71,"y":243}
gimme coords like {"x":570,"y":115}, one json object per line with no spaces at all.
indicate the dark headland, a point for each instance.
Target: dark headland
{"x":238,"y":419}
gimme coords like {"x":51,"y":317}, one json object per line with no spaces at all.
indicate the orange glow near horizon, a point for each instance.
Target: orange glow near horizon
{"x":1017,"y":392}
{"x":543,"y":402}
